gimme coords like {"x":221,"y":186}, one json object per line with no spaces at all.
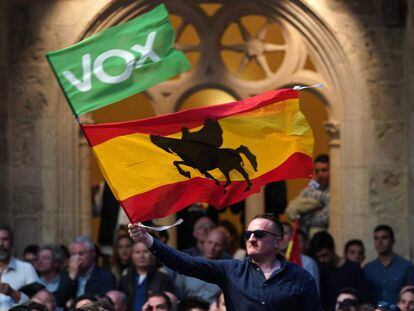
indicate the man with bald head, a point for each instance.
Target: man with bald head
{"x":119,"y":300}
{"x":214,"y":246}
{"x":263,"y":281}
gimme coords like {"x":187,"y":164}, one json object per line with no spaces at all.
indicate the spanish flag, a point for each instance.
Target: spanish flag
{"x":218,"y":154}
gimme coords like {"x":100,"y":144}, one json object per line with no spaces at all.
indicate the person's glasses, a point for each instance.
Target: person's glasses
{"x":258,"y":234}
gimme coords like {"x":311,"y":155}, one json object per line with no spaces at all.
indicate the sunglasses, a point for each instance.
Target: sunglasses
{"x":258,"y":234}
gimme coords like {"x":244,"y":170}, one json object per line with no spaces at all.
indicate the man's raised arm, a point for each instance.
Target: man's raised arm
{"x":212,"y":271}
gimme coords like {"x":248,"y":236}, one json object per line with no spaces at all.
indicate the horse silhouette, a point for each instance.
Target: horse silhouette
{"x":199,"y":150}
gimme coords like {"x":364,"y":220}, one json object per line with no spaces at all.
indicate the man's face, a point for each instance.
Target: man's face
{"x":406,"y":302}
{"x":45,"y":262}
{"x":141,"y":256}
{"x":325,"y":257}
{"x":156,"y":303}
{"x":355,"y":253}
{"x":383,"y":242}
{"x":266,"y":246}
{"x":322,"y":173}
{"x":5,"y":245}
{"x":201,"y":228}
{"x":214,"y":245}
{"x":87,"y":257}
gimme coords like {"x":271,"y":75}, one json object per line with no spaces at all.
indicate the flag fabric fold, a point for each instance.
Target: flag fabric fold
{"x":293,"y":253}
{"x":218,"y":154}
{"x":118,"y":62}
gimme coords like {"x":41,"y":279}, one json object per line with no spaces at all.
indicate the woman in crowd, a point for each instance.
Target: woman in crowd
{"x":121,"y":259}
{"x":142,"y":278}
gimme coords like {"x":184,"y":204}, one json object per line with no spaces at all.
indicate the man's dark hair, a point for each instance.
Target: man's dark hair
{"x":321,"y":240}
{"x":84,"y":297}
{"x":385,"y":228}
{"x":276,"y":222}
{"x":4,"y":227}
{"x":163,"y":295}
{"x":32,"y":289}
{"x":192,"y":303}
{"x":350,"y":291}
{"x":352,"y":243}
{"x":31,"y":249}
{"x":100,"y":305}
{"x":35,"y":306}
{"x":20,"y":308}
{"x":322,"y":158}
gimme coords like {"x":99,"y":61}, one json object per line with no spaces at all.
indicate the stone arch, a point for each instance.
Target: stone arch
{"x":341,"y":82}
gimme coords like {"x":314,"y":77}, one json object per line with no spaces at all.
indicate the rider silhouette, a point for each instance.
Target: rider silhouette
{"x":210,"y":134}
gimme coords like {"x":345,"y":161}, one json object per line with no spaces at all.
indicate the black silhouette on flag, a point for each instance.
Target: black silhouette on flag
{"x":201,"y":150}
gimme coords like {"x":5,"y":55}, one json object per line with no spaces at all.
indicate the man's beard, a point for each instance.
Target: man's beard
{"x":4,"y":254}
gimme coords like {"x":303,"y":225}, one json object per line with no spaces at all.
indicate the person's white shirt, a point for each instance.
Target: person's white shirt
{"x":17,"y":274}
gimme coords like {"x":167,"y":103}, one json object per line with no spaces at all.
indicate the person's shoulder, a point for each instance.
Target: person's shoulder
{"x":401,"y":261}
{"x":22,"y":265}
{"x":371,"y":265}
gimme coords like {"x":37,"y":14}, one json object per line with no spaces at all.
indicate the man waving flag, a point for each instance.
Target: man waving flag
{"x":217,"y":154}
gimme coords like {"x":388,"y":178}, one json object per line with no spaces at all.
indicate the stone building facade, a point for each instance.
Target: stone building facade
{"x":363,"y":54}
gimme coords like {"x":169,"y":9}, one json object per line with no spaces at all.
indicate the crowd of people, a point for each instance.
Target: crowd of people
{"x":219,"y":272}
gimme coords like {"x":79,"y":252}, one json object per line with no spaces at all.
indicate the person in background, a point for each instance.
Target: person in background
{"x":406,"y":302}
{"x":187,"y":287}
{"x":56,"y":282}
{"x":142,"y":278}
{"x":233,"y":238}
{"x":14,"y":273}
{"x":83,"y":300}
{"x":89,"y":277}
{"x":307,"y":263}
{"x":45,"y":298}
{"x":30,"y":254}
{"x":200,"y":231}
{"x":121,"y":258}
{"x":389,"y":273}
{"x":193,"y":304}
{"x":118,"y":299}
{"x":335,"y":272}
{"x":346,"y":294}
{"x":157,"y":301}
{"x":312,"y":203}
{"x":354,"y":250}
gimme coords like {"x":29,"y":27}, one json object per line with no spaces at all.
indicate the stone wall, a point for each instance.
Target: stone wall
{"x":374,"y":166}
{"x":46,"y":164}
{"x":3,"y":110}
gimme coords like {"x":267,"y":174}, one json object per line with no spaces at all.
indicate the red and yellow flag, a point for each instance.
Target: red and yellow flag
{"x":217,"y":154}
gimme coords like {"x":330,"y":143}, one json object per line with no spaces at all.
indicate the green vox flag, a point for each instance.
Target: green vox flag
{"x":118,"y":62}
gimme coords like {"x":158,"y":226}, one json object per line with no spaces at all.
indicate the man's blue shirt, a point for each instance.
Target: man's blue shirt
{"x":387,"y":281}
{"x":243,"y":283}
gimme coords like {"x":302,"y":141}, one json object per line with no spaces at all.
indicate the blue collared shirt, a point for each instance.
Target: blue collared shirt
{"x":244,"y":284}
{"x":51,"y":286}
{"x":387,"y":281}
